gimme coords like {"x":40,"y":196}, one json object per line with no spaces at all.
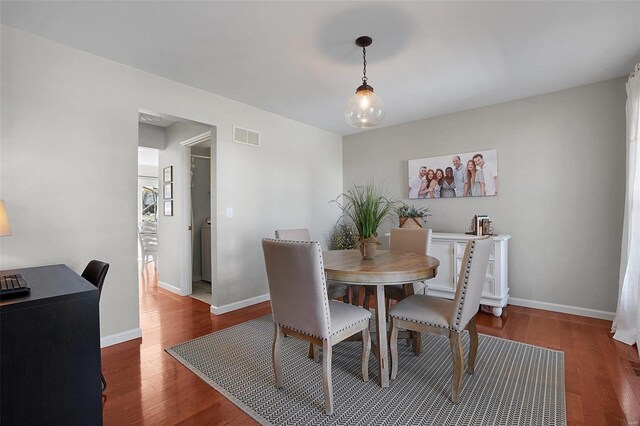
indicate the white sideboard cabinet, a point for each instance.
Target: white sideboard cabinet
{"x":449,"y":249}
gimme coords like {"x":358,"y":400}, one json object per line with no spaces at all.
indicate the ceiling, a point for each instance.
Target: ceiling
{"x":299,"y":60}
{"x":155,"y":119}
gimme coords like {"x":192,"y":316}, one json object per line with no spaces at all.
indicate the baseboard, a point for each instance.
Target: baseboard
{"x":171,"y":288}
{"x":195,"y":279}
{"x":219,"y":310}
{"x":565,"y":309}
{"x":114,"y":339}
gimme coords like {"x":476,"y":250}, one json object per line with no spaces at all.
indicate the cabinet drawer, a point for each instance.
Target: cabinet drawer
{"x":489,"y":288}
{"x":449,"y":249}
{"x":491,"y":268}
{"x":460,"y":246}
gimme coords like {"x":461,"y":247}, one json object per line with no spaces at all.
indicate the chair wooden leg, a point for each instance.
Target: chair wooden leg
{"x":367,"y":297}
{"x":314,"y":352}
{"x":394,"y":350}
{"x":416,"y":340}
{"x":326,"y":377}
{"x":277,"y":355}
{"x":473,"y":345}
{"x":458,"y":365}
{"x":366,"y":351}
{"x":355,"y":295}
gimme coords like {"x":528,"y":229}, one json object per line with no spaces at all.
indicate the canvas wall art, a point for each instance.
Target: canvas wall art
{"x":470,"y":174}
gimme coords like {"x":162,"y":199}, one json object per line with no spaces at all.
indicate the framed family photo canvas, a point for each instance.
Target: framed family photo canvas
{"x":467,"y":174}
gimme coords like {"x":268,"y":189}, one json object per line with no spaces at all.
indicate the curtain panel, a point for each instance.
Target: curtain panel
{"x":626,"y":325}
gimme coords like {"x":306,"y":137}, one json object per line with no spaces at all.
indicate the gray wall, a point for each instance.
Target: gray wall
{"x":150,"y":136}
{"x":69,"y":177}
{"x":561,"y":165}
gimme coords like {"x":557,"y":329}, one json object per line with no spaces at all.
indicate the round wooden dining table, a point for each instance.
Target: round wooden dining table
{"x":386,"y":268}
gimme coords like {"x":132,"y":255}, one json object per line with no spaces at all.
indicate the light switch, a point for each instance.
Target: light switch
{"x":229,"y":213}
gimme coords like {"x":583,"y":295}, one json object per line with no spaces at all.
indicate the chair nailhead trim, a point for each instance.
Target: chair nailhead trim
{"x":332,"y":334}
{"x":324,"y":286}
{"x":465,"y":283}
{"x":351,"y":325}
{"x":300,"y":331}
{"x":419,"y":322}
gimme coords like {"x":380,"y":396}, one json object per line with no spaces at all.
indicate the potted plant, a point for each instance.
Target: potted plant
{"x":411,"y":216}
{"x":367,"y":207}
{"x":344,"y":236}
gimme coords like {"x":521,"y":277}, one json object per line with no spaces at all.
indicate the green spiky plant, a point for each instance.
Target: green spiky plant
{"x":367,"y":207}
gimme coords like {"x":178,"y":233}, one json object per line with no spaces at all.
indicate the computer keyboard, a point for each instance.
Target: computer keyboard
{"x":13,"y":285}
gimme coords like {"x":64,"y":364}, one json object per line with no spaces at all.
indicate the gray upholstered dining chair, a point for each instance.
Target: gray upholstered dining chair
{"x":423,"y":313}
{"x":413,"y":240}
{"x":314,"y":318}
{"x":334,"y":289}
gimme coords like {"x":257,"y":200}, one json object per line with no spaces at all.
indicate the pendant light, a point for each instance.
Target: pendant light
{"x":365,"y":108}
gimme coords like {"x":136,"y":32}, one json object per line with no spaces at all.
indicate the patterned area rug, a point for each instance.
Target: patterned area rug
{"x":513,"y":384}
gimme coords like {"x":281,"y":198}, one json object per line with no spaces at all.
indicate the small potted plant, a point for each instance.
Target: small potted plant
{"x":411,"y":216}
{"x":344,"y":236}
{"x":367,"y":207}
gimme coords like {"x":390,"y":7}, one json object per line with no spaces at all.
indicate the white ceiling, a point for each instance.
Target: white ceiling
{"x":298,"y":59}
{"x":156,"y":119}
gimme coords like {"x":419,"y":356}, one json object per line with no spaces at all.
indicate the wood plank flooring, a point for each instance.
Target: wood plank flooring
{"x":147,"y":386}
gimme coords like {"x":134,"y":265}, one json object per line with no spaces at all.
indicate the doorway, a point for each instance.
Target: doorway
{"x":201,"y":220}
{"x":179,"y":220}
{"x":147,"y":225}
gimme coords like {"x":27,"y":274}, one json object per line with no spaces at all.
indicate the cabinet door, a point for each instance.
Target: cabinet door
{"x":444,"y":252}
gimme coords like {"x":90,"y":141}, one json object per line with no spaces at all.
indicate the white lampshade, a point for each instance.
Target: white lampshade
{"x":364,"y":109}
{"x":5,"y":227}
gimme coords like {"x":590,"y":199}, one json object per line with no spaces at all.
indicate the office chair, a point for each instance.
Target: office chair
{"x":95,"y":273}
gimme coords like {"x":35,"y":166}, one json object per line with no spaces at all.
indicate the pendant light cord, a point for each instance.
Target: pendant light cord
{"x":364,"y":68}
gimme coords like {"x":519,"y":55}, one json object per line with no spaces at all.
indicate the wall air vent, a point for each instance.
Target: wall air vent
{"x":249,"y":137}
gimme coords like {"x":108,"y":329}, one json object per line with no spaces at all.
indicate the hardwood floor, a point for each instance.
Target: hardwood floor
{"x":147,"y":386}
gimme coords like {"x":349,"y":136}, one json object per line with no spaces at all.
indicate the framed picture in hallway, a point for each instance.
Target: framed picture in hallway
{"x":468,"y":174}
{"x":168,"y":174}
{"x":168,"y":208}
{"x":168,"y":191}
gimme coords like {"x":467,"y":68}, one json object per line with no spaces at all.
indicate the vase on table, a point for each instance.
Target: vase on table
{"x":368,"y":247}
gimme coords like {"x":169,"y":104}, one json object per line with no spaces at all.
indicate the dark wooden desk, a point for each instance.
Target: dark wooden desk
{"x":50,"y":351}
{"x":386,"y":268}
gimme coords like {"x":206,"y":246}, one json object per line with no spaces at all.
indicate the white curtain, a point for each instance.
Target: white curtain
{"x":626,"y":325}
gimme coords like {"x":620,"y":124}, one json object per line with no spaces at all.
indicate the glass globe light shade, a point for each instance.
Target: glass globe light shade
{"x":364,"y":109}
